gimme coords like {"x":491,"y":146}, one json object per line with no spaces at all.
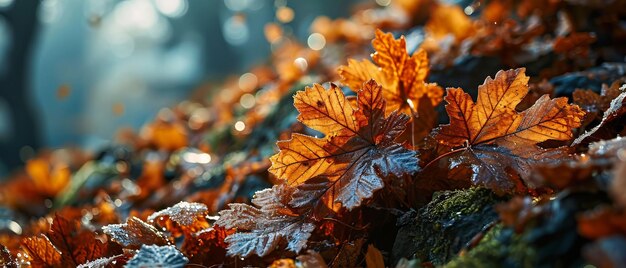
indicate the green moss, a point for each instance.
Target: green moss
{"x":456,"y":204}
{"x":499,"y":247}
{"x":449,"y":221}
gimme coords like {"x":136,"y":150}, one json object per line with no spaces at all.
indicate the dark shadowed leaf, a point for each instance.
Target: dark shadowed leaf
{"x":76,"y":246}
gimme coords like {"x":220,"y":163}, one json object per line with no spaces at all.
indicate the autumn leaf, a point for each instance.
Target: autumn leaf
{"x":374,"y":258}
{"x":611,"y":124}
{"x":113,"y":261}
{"x":135,"y":233}
{"x":76,"y":246}
{"x":207,"y":246}
{"x":348,"y":253}
{"x":165,"y":134}
{"x":184,"y":217}
{"x":618,"y":184}
{"x":157,"y":256}
{"x":602,"y":222}
{"x":41,"y":251}
{"x":312,"y":259}
{"x":6,"y":260}
{"x":261,"y":228}
{"x":358,"y":150}
{"x":493,"y":139}
{"x":448,"y":20}
{"x":49,"y":177}
{"x":401,"y":75}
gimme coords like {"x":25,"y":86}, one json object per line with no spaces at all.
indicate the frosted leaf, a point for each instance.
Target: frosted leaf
{"x":615,"y":111}
{"x":134,"y":233}
{"x":6,"y":260}
{"x":261,"y":230}
{"x":183,"y":213}
{"x":157,"y":256}
{"x":246,"y":244}
{"x":239,"y":216}
{"x":105,"y":262}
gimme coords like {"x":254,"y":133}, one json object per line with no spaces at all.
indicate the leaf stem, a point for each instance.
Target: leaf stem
{"x":414,"y":116}
{"x":444,"y":155}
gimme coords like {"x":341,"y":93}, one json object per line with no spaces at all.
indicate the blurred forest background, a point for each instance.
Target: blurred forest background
{"x":72,"y":72}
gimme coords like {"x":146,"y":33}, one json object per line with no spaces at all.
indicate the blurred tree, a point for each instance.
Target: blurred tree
{"x":21,"y":19}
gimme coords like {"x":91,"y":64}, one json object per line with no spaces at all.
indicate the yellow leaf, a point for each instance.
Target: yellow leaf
{"x":401,"y":75}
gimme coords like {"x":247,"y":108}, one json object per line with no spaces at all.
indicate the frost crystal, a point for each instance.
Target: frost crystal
{"x":183,"y":213}
{"x":157,"y":256}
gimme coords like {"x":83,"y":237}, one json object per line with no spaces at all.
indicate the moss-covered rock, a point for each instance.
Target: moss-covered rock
{"x":439,"y":230}
{"x":498,"y":247}
{"x":549,"y":239}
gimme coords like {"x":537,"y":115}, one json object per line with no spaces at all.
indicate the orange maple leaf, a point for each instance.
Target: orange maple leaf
{"x":358,"y":149}
{"x":401,"y":75}
{"x":495,"y":138}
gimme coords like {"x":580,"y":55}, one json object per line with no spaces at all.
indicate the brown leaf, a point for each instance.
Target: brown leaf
{"x":169,"y":135}
{"x":50,"y":177}
{"x":617,"y":187}
{"x":183,"y":217}
{"x":107,"y":262}
{"x":373,"y":258}
{"x":283,"y":263}
{"x":574,"y":45}
{"x":517,"y":212}
{"x":207,"y":246}
{"x":76,"y":246}
{"x":449,"y":20}
{"x":312,"y":260}
{"x":6,"y":260}
{"x":598,"y":103}
{"x":566,"y":173}
{"x":495,"y":139}
{"x":135,"y":233}
{"x":612,"y":122}
{"x":401,"y":75}
{"x":261,"y":228}
{"x":348,"y":254}
{"x":358,"y":148}
{"x":602,"y":222}
{"x":41,"y":251}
